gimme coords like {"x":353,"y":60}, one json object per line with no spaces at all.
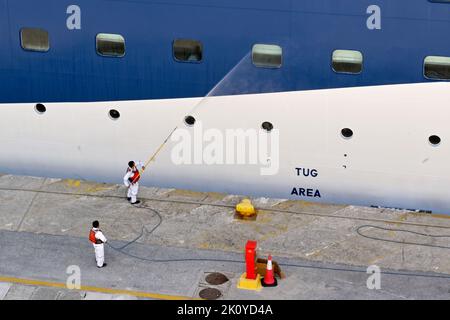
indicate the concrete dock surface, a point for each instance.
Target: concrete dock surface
{"x":182,"y":236}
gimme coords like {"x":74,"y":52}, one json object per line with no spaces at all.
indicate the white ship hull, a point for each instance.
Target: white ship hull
{"x":388,"y":161}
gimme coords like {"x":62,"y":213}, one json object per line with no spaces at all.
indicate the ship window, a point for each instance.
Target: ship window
{"x":437,"y":68}
{"x":110,"y":45}
{"x":267,"y":56}
{"x":347,"y":61}
{"x":443,"y":1}
{"x":33,"y":39}
{"x":187,"y":50}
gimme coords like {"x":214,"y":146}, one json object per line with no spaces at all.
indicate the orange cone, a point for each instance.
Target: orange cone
{"x":269,"y":279}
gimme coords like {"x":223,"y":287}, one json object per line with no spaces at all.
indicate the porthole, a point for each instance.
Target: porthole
{"x":185,"y":50}
{"x":40,"y":108}
{"x":347,"y":61}
{"x":189,"y":120}
{"x":437,"y":68}
{"x":434,"y":140}
{"x":347,"y":133}
{"x":110,"y":45}
{"x":114,"y":114}
{"x":267,"y":126}
{"x":34,"y":39}
{"x":267,"y":56}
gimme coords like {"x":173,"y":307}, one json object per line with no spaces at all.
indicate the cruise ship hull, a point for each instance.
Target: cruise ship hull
{"x":388,"y":161}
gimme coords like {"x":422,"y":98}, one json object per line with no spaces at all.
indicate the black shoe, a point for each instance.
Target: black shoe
{"x":137,"y":202}
{"x":129,"y":199}
{"x":104,"y":265}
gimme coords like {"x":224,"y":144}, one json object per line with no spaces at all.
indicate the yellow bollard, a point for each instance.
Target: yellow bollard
{"x":246,"y":209}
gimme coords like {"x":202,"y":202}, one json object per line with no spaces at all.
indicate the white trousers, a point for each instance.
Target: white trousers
{"x":133,"y":191}
{"x":99,"y":254}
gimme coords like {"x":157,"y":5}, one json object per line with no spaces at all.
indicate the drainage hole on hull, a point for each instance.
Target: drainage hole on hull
{"x":267,"y":126}
{"x":40,"y":108}
{"x":347,"y":133}
{"x":114,"y":114}
{"x":434,"y":140}
{"x":189,"y":120}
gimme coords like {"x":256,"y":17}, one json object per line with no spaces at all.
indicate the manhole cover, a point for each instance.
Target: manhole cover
{"x":210,"y":294}
{"x":216,"y":278}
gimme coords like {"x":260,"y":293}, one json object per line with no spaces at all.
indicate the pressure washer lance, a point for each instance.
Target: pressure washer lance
{"x":158,"y":150}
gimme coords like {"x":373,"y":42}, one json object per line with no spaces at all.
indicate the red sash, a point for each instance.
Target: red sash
{"x":136,"y":176}
{"x":93,"y":239}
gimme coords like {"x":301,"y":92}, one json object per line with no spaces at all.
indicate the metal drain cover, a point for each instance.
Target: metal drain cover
{"x":216,"y":278}
{"x":210,"y":294}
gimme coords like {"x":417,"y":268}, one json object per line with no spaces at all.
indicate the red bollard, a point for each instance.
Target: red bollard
{"x":250,"y":280}
{"x":250,"y":259}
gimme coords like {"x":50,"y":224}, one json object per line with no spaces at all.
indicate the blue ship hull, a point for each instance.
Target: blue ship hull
{"x":307,"y":30}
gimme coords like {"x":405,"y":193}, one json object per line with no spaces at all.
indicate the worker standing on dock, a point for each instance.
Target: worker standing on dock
{"x":131,"y":180}
{"x":98,"y":239}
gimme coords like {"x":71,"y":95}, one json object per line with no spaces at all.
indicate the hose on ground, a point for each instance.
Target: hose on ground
{"x":303,"y":266}
{"x":360,"y":233}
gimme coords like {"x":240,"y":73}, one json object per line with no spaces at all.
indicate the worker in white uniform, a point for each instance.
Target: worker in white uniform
{"x":131,"y":180}
{"x":98,"y":239}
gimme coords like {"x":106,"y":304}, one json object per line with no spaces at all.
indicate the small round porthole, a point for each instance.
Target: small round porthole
{"x":40,"y":108}
{"x":347,"y":133}
{"x":434,"y":140}
{"x":114,"y":114}
{"x":189,"y":120}
{"x":267,"y":126}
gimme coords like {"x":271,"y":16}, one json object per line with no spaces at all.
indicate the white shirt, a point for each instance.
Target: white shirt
{"x":129,"y":173}
{"x":99,"y":235}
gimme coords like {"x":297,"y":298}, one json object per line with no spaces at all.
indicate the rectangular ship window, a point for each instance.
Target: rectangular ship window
{"x":185,"y":50}
{"x":442,"y":1}
{"x":34,"y":39}
{"x":110,"y":45}
{"x":437,"y":68}
{"x":267,"y":55}
{"x":347,"y":61}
